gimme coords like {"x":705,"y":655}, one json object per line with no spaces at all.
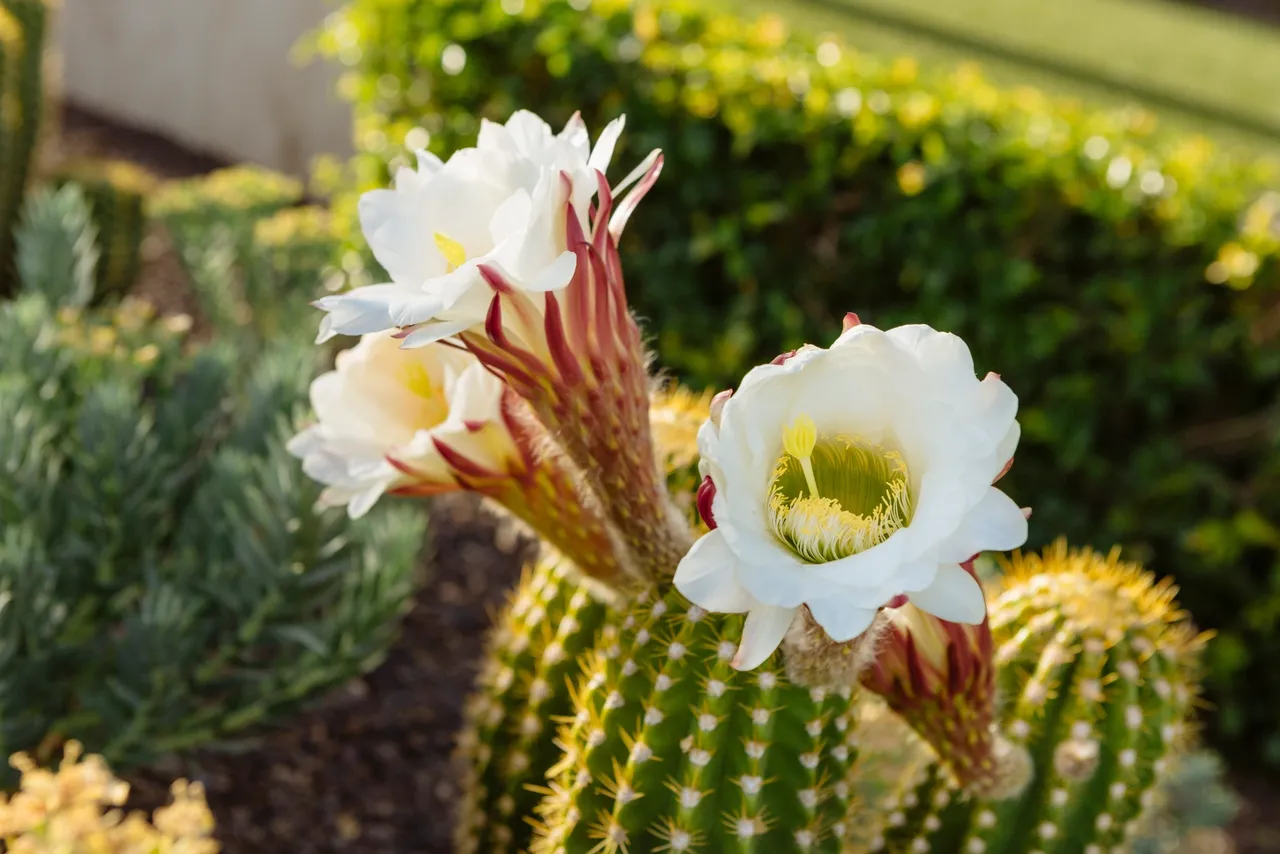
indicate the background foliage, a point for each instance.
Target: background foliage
{"x":1125,"y":284}
{"x":165,"y":578}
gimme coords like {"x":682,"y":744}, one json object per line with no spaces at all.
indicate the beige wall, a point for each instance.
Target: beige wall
{"x":212,"y":74}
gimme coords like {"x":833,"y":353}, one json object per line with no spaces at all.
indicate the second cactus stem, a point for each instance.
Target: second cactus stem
{"x":1097,"y":670}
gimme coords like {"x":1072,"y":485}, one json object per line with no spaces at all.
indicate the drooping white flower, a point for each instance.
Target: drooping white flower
{"x":391,"y":419}
{"x":842,"y":478}
{"x":495,"y":212}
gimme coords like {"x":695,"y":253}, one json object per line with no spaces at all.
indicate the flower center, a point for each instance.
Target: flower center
{"x":432,"y":406}
{"x":454,"y":253}
{"x":832,"y":497}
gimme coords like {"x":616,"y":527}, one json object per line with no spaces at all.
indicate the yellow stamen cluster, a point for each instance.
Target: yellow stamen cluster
{"x":77,"y":809}
{"x":854,"y":495}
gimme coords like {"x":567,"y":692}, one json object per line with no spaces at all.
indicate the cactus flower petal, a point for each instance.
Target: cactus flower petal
{"x":500,"y":204}
{"x":998,"y":525}
{"x":382,"y":412}
{"x":954,"y":595}
{"x":765,"y":628}
{"x":706,"y":576}
{"x":845,"y":477}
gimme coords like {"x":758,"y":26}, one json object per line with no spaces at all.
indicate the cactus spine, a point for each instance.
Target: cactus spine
{"x":22,"y":32}
{"x":1097,"y":670}
{"x":508,"y":741}
{"x":671,"y":749}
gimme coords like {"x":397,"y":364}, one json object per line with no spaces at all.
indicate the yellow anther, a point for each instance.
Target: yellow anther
{"x":798,"y":440}
{"x":454,"y":254}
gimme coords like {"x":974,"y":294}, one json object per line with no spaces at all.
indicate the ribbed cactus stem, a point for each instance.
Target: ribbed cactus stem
{"x":1097,"y":670}
{"x":508,"y":741}
{"x":671,"y":749}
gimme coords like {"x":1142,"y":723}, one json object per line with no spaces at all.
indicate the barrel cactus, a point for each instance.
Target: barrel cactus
{"x":1096,"y":670}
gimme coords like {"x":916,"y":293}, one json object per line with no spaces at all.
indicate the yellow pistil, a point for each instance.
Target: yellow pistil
{"x":835,"y":497}
{"x":798,"y":440}
{"x":454,"y":253}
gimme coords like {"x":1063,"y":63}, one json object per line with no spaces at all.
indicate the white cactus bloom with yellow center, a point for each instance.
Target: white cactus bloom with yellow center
{"x":501,"y":204}
{"x":383,"y":413}
{"x":846,"y":477}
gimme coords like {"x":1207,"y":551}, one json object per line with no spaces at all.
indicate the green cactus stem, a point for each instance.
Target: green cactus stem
{"x":671,"y":749}
{"x":508,"y":742}
{"x":22,"y":31}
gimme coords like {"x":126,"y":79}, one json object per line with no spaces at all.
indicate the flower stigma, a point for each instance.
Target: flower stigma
{"x":833,"y":497}
{"x":454,"y":253}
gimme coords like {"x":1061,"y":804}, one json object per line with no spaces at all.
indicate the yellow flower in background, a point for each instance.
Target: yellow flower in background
{"x":75,"y":810}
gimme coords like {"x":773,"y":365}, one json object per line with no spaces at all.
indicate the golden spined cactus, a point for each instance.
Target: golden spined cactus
{"x":675,"y":416}
{"x":1096,"y":675}
{"x":77,"y":808}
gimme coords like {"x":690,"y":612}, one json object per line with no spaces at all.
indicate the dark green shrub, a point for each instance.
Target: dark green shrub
{"x":165,"y":578}
{"x":1124,"y":284}
{"x":212,"y":221}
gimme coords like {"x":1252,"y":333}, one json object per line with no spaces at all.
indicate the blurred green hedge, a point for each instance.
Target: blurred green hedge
{"x":1124,"y":284}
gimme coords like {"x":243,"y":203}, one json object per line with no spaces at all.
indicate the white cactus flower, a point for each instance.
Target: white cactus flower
{"x":498,"y":208}
{"x":393,"y":420}
{"x":842,"y":478}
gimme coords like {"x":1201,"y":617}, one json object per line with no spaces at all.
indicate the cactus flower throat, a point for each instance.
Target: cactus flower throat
{"x":835,"y":496}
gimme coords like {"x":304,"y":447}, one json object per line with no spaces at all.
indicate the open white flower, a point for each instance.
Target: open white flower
{"x":499,"y":206}
{"x":849,"y":476}
{"x":391,"y":419}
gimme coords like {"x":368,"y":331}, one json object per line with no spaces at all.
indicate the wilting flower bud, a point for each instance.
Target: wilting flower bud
{"x":838,"y":479}
{"x":432,"y":420}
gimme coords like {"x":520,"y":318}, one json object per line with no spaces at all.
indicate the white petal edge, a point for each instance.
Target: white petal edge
{"x":765,"y":628}
{"x":429,"y":333}
{"x":954,"y":596}
{"x":556,"y":275}
{"x":603,"y":151}
{"x":995,"y":524}
{"x":707,"y":577}
{"x":840,"y":620}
